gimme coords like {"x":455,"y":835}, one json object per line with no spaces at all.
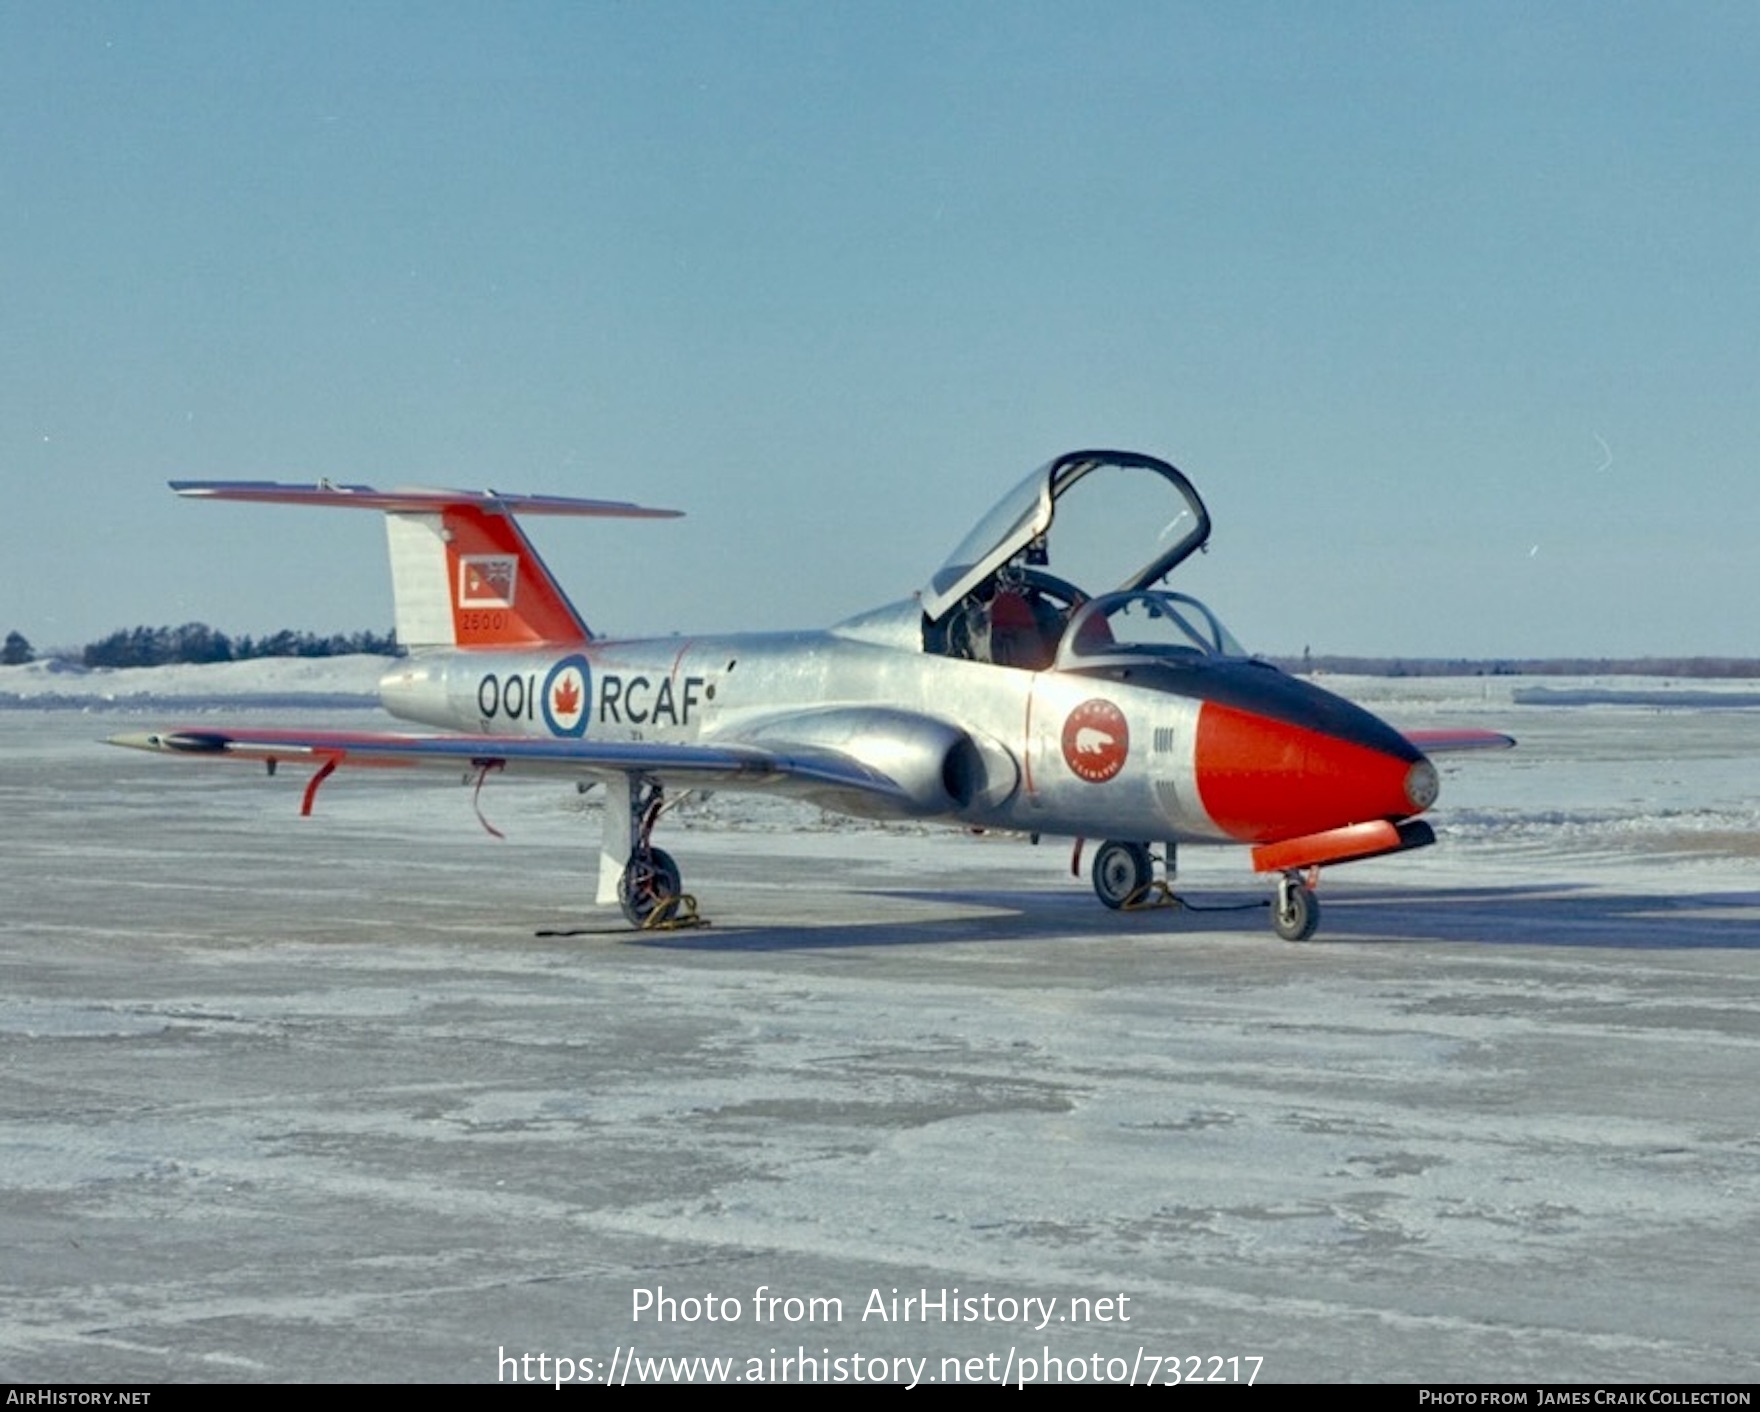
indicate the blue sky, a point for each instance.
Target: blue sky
{"x":1452,"y":312}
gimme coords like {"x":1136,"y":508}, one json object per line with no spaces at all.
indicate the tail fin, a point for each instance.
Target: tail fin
{"x":463,"y":574}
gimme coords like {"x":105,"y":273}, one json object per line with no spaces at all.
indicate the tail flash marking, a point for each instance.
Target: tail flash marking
{"x":467,"y":578}
{"x":487,"y":580}
{"x":505,"y":597}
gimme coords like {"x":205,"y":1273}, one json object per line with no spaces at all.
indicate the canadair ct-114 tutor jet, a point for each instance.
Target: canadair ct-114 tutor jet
{"x":1038,"y":683}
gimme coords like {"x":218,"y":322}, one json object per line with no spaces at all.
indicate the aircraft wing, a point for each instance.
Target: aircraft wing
{"x":815,"y":774}
{"x":1442,"y":741}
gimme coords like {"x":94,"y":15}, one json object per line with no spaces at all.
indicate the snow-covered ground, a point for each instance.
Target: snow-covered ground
{"x":374,"y":1095}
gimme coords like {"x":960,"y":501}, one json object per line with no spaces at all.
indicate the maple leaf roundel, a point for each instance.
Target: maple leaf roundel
{"x":568,"y":696}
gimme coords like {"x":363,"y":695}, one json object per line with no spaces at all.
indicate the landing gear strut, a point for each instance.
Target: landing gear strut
{"x":1295,"y":911}
{"x":650,"y":889}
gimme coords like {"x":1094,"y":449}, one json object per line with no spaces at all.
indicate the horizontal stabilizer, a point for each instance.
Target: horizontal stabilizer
{"x":411,"y":499}
{"x":463,"y":573}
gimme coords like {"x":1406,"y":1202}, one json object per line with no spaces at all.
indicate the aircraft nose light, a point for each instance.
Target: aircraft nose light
{"x":1422,"y":786}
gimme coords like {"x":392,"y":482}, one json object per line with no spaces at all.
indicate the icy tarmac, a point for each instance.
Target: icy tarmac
{"x":323,"y":1099}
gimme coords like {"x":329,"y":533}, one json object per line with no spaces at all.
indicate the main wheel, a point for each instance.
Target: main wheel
{"x":1295,"y":912}
{"x":1121,"y":870}
{"x":649,"y":879}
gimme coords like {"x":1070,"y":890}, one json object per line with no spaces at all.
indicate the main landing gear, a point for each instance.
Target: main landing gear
{"x":650,"y":889}
{"x":1124,"y":876}
{"x":1122,"y":873}
{"x":650,"y":886}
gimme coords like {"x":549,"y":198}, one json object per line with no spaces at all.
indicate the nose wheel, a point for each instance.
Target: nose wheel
{"x":1295,"y":911}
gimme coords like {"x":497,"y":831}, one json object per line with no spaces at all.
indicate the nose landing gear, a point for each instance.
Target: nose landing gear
{"x":1124,"y":880}
{"x":1295,"y":911}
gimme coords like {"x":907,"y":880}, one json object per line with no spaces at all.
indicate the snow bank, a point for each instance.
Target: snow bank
{"x":268,"y":681}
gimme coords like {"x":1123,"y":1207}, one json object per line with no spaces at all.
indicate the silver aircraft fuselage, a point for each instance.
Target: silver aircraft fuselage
{"x":971,"y":742}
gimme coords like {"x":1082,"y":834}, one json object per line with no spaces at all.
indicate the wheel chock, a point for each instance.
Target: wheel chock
{"x":1152,"y":896}
{"x":674,"y":914}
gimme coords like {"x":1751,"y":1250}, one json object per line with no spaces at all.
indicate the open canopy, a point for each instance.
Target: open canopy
{"x":1096,"y":520}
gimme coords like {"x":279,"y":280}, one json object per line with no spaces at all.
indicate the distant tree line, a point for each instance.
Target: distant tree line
{"x":197,"y":642}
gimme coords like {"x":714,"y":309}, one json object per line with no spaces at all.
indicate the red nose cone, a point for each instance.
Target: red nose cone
{"x":1262,"y":779}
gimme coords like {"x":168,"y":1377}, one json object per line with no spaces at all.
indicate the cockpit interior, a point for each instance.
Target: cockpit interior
{"x":1059,"y":572}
